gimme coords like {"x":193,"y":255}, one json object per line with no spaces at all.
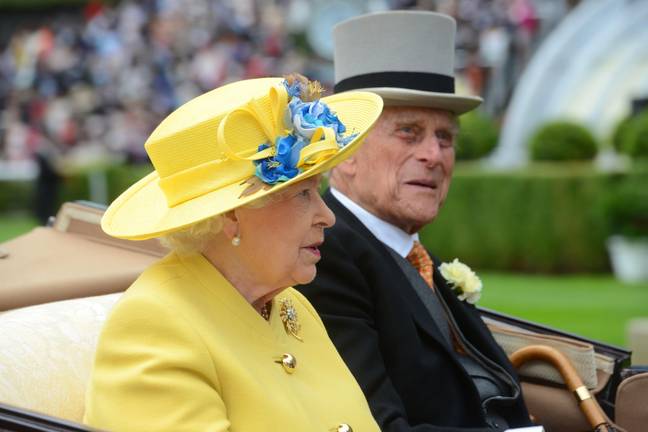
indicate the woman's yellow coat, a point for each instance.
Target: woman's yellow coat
{"x":184,"y":351}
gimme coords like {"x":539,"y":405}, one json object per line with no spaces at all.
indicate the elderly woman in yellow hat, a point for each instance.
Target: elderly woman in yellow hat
{"x":212,"y":337}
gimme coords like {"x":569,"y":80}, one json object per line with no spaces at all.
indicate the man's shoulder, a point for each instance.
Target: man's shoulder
{"x":347,"y":225}
{"x":344,"y":242}
{"x":344,"y":226}
{"x":344,"y":219}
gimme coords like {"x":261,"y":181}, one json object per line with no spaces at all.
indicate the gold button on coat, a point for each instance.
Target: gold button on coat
{"x":342,"y":427}
{"x":288,"y":361}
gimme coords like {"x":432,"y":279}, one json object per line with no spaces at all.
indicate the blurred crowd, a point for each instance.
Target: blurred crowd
{"x":97,"y":82}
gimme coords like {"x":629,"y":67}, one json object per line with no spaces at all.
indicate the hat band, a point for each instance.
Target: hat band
{"x":202,"y":179}
{"x":424,"y":81}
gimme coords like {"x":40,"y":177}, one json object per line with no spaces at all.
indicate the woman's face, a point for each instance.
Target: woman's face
{"x":280,"y":241}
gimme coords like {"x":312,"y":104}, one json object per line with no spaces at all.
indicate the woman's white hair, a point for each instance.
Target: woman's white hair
{"x":195,"y":237}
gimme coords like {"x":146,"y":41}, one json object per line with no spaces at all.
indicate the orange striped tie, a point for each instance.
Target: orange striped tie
{"x":420,"y":259}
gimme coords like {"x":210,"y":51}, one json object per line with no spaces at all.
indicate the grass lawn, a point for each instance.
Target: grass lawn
{"x":14,"y":224}
{"x":598,"y":307}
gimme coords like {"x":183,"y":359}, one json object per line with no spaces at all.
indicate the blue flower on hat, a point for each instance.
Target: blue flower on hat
{"x":277,"y":168}
{"x":287,"y":149}
{"x":308,"y":116}
{"x":302,"y":119}
{"x":294,"y":89}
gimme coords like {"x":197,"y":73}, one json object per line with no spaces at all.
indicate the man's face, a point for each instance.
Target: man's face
{"x":402,"y":173}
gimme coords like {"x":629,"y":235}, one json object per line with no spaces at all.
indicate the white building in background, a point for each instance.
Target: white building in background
{"x":588,"y":69}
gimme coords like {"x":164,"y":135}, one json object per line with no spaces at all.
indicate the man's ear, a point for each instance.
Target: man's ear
{"x":347,"y":168}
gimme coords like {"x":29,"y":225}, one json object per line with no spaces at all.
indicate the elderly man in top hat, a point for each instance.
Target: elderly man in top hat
{"x":423,"y":357}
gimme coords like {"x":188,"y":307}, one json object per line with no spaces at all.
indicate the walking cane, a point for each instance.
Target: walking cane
{"x":587,"y":403}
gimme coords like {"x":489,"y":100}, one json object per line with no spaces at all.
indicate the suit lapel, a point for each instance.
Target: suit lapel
{"x":469,"y":322}
{"x":415,"y":306}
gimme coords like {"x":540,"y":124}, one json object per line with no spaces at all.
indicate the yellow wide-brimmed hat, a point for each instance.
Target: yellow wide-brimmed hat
{"x":236,"y":144}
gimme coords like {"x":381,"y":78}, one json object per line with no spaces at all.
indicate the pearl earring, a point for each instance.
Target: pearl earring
{"x":236,"y":240}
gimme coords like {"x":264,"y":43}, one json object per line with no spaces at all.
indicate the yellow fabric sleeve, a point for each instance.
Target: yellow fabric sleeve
{"x":167,"y":383}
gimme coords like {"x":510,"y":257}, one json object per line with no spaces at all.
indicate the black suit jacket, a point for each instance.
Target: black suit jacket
{"x":389,"y":340}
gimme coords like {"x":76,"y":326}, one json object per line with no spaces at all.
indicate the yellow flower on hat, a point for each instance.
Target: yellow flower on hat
{"x":464,"y":282}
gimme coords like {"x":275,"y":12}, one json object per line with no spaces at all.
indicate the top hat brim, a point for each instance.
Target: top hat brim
{"x":141,"y":212}
{"x":417,"y":98}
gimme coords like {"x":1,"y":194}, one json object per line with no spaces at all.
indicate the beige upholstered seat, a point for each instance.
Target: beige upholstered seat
{"x":631,"y":408}
{"x":57,"y":284}
{"x":46,"y":353}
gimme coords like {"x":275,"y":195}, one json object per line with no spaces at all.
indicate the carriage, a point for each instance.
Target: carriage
{"x":60,"y":281}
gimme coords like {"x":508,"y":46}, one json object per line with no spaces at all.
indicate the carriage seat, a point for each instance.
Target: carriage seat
{"x":47,"y":351}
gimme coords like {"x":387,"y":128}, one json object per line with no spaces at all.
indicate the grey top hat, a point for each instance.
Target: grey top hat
{"x":407,"y":57}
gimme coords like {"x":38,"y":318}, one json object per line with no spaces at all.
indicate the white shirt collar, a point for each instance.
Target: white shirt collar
{"x":389,"y":234}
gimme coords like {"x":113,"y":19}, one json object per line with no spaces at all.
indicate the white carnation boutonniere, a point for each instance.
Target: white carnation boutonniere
{"x":463,"y":281}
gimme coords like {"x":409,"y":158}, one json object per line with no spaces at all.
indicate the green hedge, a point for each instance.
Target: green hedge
{"x":625,"y":206}
{"x":562,"y":140}
{"x":16,"y":195}
{"x":478,"y":136}
{"x":546,"y":219}
{"x":19,"y":195}
{"x":620,"y":133}
{"x":121,"y":177}
{"x":636,"y":138}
